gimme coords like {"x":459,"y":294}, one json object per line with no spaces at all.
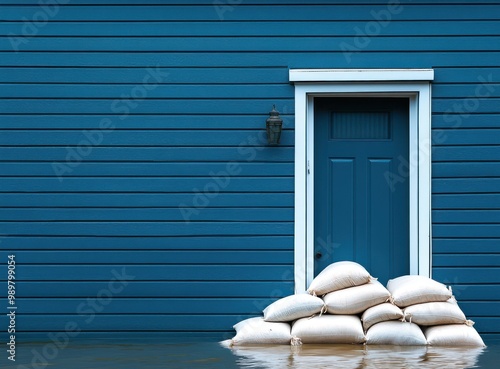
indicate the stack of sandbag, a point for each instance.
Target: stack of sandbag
{"x":431,"y":305}
{"x":355,"y":308}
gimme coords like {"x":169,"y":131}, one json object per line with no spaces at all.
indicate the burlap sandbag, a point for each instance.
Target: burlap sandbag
{"x":293,"y":307}
{"x":339,"y":275}
{"x":416,"y":289}
{"x":355,"y":300}
{"x":329,"y":329}
{"x":256,"y":331}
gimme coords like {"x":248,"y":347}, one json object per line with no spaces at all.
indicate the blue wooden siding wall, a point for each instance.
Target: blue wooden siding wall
{"x":79,"y":215}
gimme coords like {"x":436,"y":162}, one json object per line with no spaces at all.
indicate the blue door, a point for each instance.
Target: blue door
{"x":361,"y":184}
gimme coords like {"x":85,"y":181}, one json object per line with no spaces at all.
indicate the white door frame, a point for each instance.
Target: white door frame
{"x":411,"y":83}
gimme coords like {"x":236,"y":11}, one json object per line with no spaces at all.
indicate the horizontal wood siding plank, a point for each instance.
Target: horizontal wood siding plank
{"x":466,"y":201}
{"x":466,"y":216}
{"x":210,"y":186}
{"x":258,"y":28}
{"x":454,"y":185}
{"x":156,"y":289}
{"x":224,"y":44}
{"x":192,"y":242}
{"x":467,"y":275}
{"x":146,"y":214}
{"x":466,"y":230}
{"x":473,"y":292}
{"x":465,"y":90}
{"x":469,"y":260}
{"x":471,"y":74}
{"x":167,"y":91}
{"x":138,"y":121}
{"x":238,"y":154}
{"x":480,"y":308}
{"x":453,"y":245}
{"x":465,"y":153}
{"x":466,"y":136}
{"x":469,"y":170}
{"x":190,"y":198}
{"x":118,"y":76}
{"x":255,"y":13}
{"x":145,"y":228}
{"x":149,"y":257}
{"x":223,"y":171}
{"x":108,"y":137}
{"x":249,"y":2}
{"x":472,"y":103}
{"x":120,"y":107}
{"x":217,"y":272}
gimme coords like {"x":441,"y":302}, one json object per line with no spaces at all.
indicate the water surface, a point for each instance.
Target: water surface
{"x":203,"y":354}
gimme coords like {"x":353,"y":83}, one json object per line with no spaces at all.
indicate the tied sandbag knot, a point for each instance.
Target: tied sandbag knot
{"x":323,"y":310}
{"x":469,"y":323}
{"x":409,"y":315}
{"x":296,"y":341}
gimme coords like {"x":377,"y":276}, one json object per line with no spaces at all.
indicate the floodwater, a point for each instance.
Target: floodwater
{"x":211,"y":355}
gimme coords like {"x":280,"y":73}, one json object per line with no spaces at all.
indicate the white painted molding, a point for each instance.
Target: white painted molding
{"x":357,"y":75}
{"x":338,"y":82}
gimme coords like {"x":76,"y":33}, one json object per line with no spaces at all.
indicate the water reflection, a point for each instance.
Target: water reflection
{"x":355,"y":357}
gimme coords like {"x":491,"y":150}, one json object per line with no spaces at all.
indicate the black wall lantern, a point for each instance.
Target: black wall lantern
{"x":274,"y":125}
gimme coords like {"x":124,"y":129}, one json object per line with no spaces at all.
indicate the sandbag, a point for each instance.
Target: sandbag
{"x":435,"y":313}
{"x":293,"y":307}
{"x":357,"y":299}
{"x":339,"y":275}
{"x":395,"y":333}
{"x":453,"y":335}
{"x":416,"y":289}
{"x":381,"y":313}
{"x":256,"y":331}
{"x":329,"y":329}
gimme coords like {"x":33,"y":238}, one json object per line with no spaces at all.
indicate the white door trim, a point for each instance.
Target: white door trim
{"x":411,"y":83}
